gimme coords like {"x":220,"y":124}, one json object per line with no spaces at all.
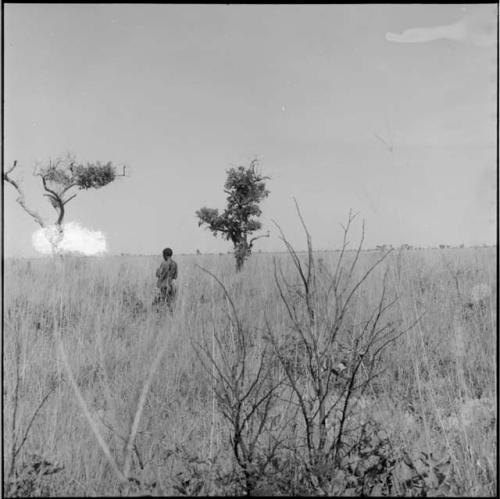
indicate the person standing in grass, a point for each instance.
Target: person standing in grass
{"x":166,"y":275}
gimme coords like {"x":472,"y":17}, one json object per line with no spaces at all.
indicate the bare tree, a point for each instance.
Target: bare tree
{"x":246,"y":390}
{"x":341,"y":357}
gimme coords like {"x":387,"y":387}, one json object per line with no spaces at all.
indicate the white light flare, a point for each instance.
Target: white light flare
{"x":75,"y":239}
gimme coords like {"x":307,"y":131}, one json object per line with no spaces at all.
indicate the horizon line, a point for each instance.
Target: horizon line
{"x":216,"y":253}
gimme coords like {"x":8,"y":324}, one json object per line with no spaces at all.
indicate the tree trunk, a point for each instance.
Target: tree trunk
{"x":55,"y":238}
{"x":242,"y":251}
{"x":239,"y":264}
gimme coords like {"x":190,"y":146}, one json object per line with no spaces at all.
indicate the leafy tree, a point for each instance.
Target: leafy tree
{"x":245,"y":189}
{"x":60,"y":179}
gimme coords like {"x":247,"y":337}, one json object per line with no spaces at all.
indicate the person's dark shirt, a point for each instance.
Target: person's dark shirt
{"x":166,"y":273}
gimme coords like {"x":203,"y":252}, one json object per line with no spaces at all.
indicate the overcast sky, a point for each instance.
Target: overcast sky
{"x":340,"y":114}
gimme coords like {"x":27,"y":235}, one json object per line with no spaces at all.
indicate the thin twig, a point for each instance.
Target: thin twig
{"x":32,"y":419}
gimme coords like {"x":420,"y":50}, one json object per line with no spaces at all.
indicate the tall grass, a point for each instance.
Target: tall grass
{"x":436,"y":395}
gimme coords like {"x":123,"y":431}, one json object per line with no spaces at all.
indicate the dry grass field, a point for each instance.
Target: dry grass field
{"x":105,"y":395}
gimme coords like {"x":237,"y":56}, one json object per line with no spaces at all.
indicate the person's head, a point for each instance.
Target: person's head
{"x":167,"y":253}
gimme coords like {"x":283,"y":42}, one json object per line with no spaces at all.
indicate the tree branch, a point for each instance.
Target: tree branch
{"x":68,"y":188}
{"x":11,"y":168}
{"x":69,"y":199}
{"x":21,"y":199}
{"x":57,"y":201}
{"x":44,"y":182}
{"x":257,"y":237}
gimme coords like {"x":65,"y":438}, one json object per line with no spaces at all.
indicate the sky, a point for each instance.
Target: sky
{"x":388,"y":110}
